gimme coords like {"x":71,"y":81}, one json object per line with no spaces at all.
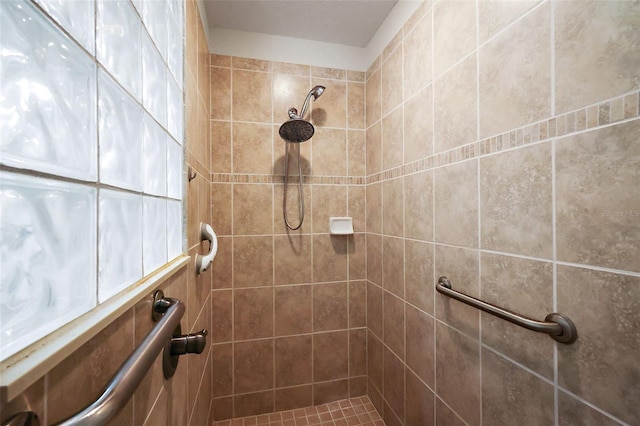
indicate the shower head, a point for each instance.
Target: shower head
{"x":296,"y":130}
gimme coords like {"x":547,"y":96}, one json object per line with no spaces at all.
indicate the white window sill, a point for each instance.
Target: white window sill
{"x":21,"y":370}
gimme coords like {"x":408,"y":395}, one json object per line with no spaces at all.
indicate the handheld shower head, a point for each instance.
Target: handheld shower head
{"x":316,"y":92}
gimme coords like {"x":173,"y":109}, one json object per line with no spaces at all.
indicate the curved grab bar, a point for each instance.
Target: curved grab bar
{"x":124,"y":383}
{"x":559,"y":327}
{"x":203,"y":261}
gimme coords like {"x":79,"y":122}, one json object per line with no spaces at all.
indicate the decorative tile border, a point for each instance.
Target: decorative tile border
{"x":620,"y":108}
{"x":279,"y":179}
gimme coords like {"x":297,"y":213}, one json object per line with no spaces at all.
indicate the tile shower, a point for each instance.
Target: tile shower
{"x":492,"y":142}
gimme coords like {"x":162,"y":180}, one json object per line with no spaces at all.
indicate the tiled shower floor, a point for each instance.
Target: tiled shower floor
{"x":346,"y":412}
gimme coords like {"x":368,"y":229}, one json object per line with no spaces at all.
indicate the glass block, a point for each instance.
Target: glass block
{"x":119,"y":242}
{"x":154,"y":154}
{"x":175,"y":109}
{"x":175,"y":167}
{"x":154,"y":83}
{"x":120,"y":129}
{"x":47,"y":96}
{"x":175,"y":43}
{"x":154,"y":245}
{"x":154,"y":16}
{"x":47,"y":257}
{"x":118,"y":32}
{"x":174,"y":229}
{"x":138,"y":5}
{"x":77,"y":17}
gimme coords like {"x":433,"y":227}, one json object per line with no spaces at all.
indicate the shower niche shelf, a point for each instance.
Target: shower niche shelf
{"x":341,"y":226}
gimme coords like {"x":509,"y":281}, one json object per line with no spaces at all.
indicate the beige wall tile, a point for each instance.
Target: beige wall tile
{"x":252,"y":148}
{"x":251,"y":404}
{"x":253,"y":261}
{"x":526,"y":287}
{"x":392,"y":139}
{"x":293,"y":69}
{"x":222,"y":268}
{"x":418,"y":63}
{"x":374,"y":258}
{"x":455,"y":106}
{"x":32,"y":399}
{"x":253,"y":365}
{"x":495,"y":15}
{"x":330,"y":391}
{"x":375,"y":356}
{"x":329,"y":258}
{"x":356,"y":207}
{"x":597,"y":51}
{"x":513,"y":395}
{"x":357,"y":305}
{"x":393,"y":324}
{"x":327,"y":200}
{"x":292,"y":256}
{"x":330,"y":306}
{"x":220,"y":60}
{"x":418,"y":275}
{"x":420,"y":404}
{"x":293,"y":308}
{"x":604,"y":308}
{"x":374,"y":309}
{"x":391,"y":81}
{"x":393,"y":265}
{"x":518,"y":64}
{"x":252,"y":209}
{"x":456,"y":198}
{"x":251,"y":96}
{"x":420,"y":336}
{"x":332,"y":73}
{"x":374,"y":148}
{"x":330,"y":110}
{"x":594,"y":174}
{"x":252,"y":313}
{"x":220,"y":93}
{"x":330,"y":355}
{"x":222,"y":311}
{"x":329,"y":157}
{"x":418,"y":126}
{"x":454,"y":33}
{"x":295,"y":397}
{"x":458,"y":372}
{"x":516,"y":201}
{"x":357,"y":246}
{"x":250,"y":64}
{"x":355,"y":105}
{"x":220,"y":147}
{"x":293,"y":360}
{"x":221,"y":208}
{"x":418,"y":206}
{"x":358,"y":352}
{"x":393,"y":384}
{"x":374,"y":208}
{"x":222,"y":369}
{"x":392,"y":207}
{"x":570,"y":409}
{"x":357,"y":153}
{"x":373,"y":98}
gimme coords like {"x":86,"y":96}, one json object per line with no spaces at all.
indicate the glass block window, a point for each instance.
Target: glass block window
{"x":91,"y":155}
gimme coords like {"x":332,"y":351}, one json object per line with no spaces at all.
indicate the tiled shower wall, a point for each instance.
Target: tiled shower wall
{"x":288,"y":307}
{"x":502,"y":152}
{"x":186,"y":398}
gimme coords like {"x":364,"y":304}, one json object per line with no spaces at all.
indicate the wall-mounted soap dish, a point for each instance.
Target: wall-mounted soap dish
{"x":341,"y":225}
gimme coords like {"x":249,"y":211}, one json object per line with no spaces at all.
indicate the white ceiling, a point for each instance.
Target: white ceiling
{"x":346,"y":22}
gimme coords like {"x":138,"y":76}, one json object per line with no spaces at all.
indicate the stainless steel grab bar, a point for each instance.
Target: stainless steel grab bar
{"x":167,"y":312}
{"x":559,"y":327}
